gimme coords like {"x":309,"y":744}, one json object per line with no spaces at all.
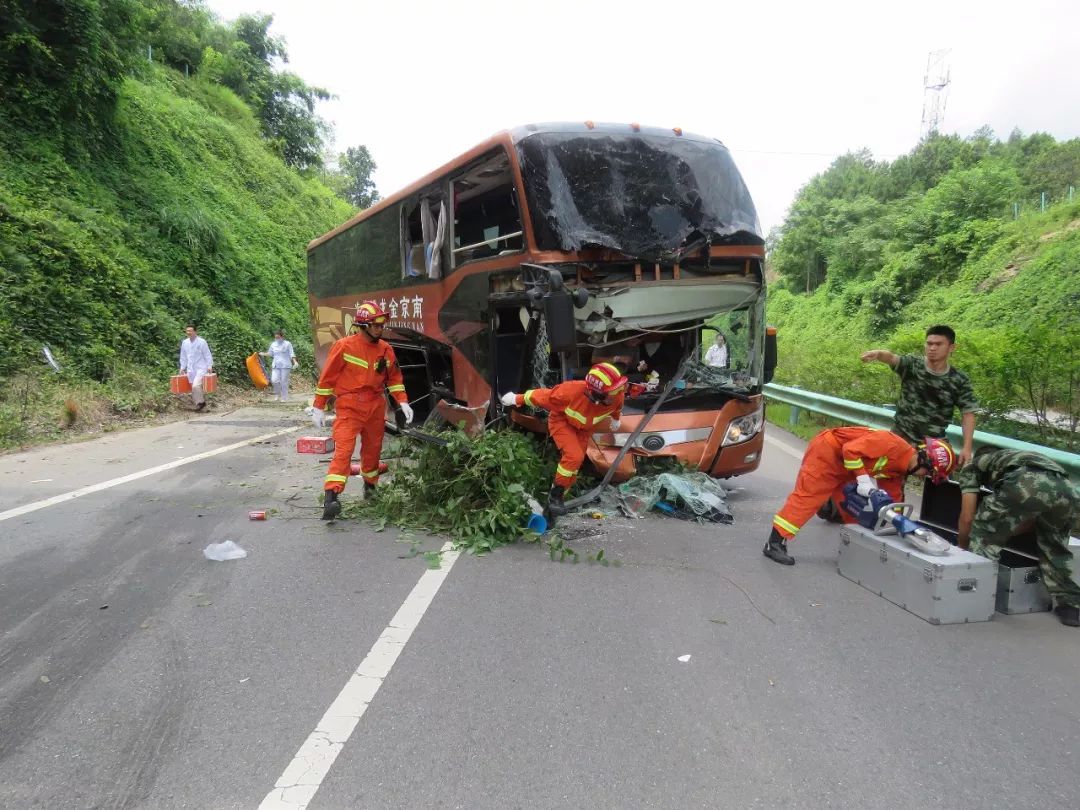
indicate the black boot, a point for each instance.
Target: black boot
{"x":369,"y":491}
{"x":829,"y":512}
{"x":331,"y":507}
{"x":555,"y":506}
{"x":1068,"y":614}
{"x":776,"y":549}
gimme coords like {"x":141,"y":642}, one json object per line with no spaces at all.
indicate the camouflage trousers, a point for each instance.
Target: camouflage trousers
{"x":1052,"y":502}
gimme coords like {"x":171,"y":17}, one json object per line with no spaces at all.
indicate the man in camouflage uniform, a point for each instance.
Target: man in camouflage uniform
{"x":1029,"y":491}
{"x":930,"y":389}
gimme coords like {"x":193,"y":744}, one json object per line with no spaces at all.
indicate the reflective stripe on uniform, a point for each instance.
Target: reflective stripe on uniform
{"x":337,"y":479}
{"x":575,"y":415}
{"x":356,"y":361}
{"x":783,"y":524}
{"x":393,"y":388}
{"x":561,"y":470}
{"x":370,"y":473}
{"x":601,"y":417}
{"x":880,"y":463}
{"x":324,"y":392}
{"x":853,"y":464}
{"x":528,"y":398}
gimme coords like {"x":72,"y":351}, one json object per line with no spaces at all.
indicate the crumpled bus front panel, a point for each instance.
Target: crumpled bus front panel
{"x":650,"y":197}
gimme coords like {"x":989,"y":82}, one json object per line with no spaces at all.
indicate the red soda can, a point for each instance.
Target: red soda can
{"x":257,"y":515}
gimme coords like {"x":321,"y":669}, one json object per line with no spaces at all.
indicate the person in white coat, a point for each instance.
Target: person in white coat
{"x":717,"y":355}
{"x":195,"y":361}
{"x":284,"y":361}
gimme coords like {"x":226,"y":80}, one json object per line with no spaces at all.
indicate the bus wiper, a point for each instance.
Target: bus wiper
{"x":734,"y":393}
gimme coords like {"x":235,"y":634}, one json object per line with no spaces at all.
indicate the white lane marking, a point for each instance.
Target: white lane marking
{"x":89,"y":490}
{"x":786,"y":448}
{"x":300,"y":780}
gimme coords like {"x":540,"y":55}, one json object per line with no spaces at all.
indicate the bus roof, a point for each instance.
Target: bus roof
{"x":508,"y":138}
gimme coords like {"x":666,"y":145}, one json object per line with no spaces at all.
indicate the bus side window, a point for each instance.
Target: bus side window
{"x":486,"y":218}
{"x":423,"y":234}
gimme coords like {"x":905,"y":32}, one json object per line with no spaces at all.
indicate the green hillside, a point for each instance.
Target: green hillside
{"x":979,"y":234}
{"x":166,"y":202}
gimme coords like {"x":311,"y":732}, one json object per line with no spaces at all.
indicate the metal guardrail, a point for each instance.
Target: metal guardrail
{"x":873,"y":416}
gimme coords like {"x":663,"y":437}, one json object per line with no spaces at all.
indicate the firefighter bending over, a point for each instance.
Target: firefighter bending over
{"x":357,"y":370}
{"x":576,"y":409}
{"x":876,"y":459}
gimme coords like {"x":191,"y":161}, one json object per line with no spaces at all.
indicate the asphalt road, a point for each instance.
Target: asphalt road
{"x":135,"y":673}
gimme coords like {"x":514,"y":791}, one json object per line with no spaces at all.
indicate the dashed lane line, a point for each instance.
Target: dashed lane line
{"x":302,"y":777}
{"x":125,"y":479}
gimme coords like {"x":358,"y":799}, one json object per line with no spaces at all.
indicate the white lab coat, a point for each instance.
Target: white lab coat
{"x":282,"y":353}
{"x":717,"y":356}
{"x":195,"y":359}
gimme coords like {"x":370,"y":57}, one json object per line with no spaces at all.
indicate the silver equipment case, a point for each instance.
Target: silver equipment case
{"x":1020,"y":587}
{"x":956,"y":588}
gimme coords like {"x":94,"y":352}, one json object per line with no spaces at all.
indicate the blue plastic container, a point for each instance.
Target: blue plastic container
{"x":536,"y":523}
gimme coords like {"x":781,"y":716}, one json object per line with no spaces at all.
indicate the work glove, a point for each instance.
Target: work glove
{"x":509,"y":399}
{"x":865,"y":485}
{"x":407,"y":410}
{"x":318,"y":418}
{"x":615,"y":424}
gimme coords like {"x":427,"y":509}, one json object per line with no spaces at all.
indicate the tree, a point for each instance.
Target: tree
{"x":61,"y":63}
{"x":356,"y":166}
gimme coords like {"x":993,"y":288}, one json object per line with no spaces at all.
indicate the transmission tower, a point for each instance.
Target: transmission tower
{"x":935,"y":92}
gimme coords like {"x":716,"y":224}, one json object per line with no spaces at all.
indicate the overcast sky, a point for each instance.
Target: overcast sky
{"x":786,"y":86}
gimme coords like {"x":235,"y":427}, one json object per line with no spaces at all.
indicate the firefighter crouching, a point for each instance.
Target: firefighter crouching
{"x":876,"y":459}
{"x":576,"y":409}
{"x":357,"y":370}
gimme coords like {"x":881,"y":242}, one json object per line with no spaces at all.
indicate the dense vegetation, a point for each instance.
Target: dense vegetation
{"x":977,"y":233}
{"x":156,"y":167}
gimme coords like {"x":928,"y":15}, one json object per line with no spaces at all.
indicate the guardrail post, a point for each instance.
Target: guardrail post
{"x":793,"y":417}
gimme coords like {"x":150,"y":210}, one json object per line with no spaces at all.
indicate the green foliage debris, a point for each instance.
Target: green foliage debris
{"x":472,"y":490}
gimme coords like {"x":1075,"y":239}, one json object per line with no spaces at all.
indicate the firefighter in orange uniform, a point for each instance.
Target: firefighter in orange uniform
{"x":576,"y":409}
{"x":357,"y":370}
{"x":876,"y":459}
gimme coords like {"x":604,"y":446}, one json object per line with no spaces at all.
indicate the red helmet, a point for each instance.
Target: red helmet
{"x":940,"y":457}
{"x":605,"y":378}
{"x":369,"y":313}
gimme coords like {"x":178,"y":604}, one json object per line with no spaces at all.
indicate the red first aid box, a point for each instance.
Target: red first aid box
{"x":314,"y":444}
{"x":180,"y":384}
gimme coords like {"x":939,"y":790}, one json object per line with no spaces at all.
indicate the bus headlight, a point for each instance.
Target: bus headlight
{"x":744,"y":428}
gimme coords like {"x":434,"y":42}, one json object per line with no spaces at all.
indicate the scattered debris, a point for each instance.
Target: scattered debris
{"x":257,"y":514}
{"x":690,"y":496}
{"x":45,"y":679}
{"x":224,"y":551}
{"x":41,"y":481}
{"x":685,"y":658}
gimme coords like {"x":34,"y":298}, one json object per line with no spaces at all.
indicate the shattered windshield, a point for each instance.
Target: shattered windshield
{"x":651,"y":197}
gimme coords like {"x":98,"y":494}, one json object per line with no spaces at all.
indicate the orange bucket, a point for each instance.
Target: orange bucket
{"x":180,"y":384}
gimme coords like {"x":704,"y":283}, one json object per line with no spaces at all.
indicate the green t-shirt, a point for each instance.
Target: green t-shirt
{"x":927,"y":400}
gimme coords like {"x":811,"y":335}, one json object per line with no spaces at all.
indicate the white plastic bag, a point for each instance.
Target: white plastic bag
{"x":224,"y":551}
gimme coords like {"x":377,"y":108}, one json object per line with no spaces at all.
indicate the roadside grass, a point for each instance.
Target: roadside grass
{"x":42,"y":408}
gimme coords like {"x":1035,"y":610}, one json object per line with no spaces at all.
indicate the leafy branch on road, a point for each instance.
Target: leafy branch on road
{"x":472,"y":490}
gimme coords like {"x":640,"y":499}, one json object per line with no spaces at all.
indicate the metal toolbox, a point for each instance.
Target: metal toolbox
{"x":1020,"y":587}
{"x":956,"y":588}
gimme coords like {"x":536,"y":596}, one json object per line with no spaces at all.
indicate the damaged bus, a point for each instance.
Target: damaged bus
{"x":550,"y":247}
